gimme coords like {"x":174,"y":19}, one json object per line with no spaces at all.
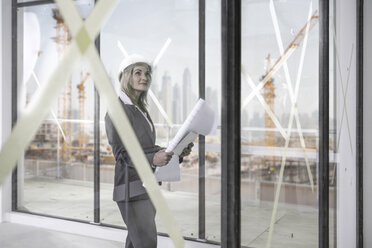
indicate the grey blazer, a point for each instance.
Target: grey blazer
{"x":124,"y":168}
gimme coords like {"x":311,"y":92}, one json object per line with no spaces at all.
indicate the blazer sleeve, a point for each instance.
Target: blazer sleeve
{"x":118,"y":148}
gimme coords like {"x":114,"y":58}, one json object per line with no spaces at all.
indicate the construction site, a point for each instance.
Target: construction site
{"x":64,"y":138}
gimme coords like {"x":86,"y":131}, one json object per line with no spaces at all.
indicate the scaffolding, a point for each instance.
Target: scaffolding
{"x":81,"y":96}
{"x":269,"y":88}
{"x":63,"y":39}
{"x":269,"y":96}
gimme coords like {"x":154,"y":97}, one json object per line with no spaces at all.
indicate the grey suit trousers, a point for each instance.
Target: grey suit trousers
{"x":140,"y":221}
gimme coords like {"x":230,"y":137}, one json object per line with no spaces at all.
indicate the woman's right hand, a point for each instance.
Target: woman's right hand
{"x":162,"y":158}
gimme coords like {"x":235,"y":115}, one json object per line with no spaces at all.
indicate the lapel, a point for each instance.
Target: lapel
{"x":153,"y":133}
{"x":142,"y":122}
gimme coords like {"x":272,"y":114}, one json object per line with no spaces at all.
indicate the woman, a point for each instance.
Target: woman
{"x":135,"y":206}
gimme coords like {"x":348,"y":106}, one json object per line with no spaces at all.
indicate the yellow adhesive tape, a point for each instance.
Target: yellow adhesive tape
{"x":292,"y":115}
{"x":82,"y":39}
{"x":32,"y":117}
{"x":122,"y":123}
{"x":28,"y":124}
{"x":132,"y":145}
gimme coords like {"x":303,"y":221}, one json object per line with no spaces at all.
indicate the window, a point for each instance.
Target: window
{"x":278,"y":54}
{"x":68,"y":169}
{"x":56,"y":172}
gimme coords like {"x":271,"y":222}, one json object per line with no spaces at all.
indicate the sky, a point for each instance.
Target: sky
{"x":143,"y":26}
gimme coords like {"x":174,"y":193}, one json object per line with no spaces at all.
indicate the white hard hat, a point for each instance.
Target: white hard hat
{"x":132,"y":59}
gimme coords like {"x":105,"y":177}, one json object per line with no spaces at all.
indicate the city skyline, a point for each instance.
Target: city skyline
{"x":183,"y":50}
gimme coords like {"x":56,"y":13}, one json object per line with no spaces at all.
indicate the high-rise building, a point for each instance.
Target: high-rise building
{"x":212,"y":99}
{"x":153,"y":110}
{"x":187,"y":100}
{"x":177,"y":104}
{"x":167,"y":95}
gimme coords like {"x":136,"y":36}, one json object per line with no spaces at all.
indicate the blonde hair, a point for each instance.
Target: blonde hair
{"x":126,"y":86}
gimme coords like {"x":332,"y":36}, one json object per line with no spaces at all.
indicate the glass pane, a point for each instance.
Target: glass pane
{"x":268,"y":117}
{"x":55,"y":175}
{"x":213,"y":141}
{"x":173,"y":25}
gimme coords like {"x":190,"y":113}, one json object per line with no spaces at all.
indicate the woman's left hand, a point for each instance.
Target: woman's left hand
{"x":187,"y":150}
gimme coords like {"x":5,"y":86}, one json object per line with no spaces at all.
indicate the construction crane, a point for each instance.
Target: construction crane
{"x":269,"y":96}
{"x":269,"y":89}
{"x":81,"y":96}
{"x":63,"y":39}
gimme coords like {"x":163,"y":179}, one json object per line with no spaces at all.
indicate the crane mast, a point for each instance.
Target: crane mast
{"x":269,"y":96}
{"x":63,"y":39}
{"x":269,"y":88}
{"x":81,"y":96}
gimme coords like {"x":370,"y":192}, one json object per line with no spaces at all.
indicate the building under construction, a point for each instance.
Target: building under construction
{"x":58,"y":139}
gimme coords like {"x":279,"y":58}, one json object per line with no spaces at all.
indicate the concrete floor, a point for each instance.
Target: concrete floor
{"x":295,"y":226}
{"x":19,"y":236}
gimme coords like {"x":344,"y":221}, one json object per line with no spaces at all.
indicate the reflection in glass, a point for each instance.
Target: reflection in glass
{"x":56,"y":174}
{"x":279,"y":56}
